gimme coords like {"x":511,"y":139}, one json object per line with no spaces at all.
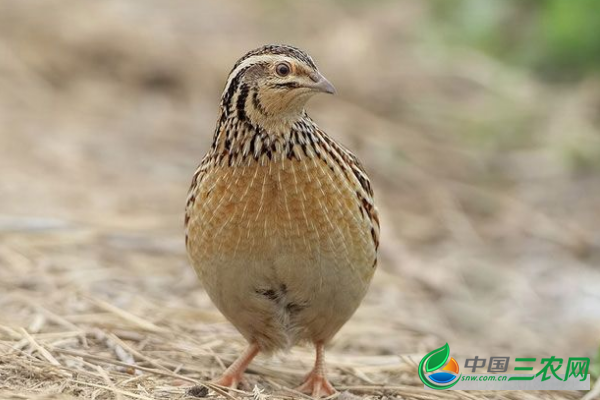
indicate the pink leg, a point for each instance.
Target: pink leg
{"x":316,"y":384}
{"x":234,"y":374}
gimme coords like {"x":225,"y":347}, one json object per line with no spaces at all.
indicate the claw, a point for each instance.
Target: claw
{"x":316,"y":385}
{"x":233,"y":375}
{"x":229,"y":380}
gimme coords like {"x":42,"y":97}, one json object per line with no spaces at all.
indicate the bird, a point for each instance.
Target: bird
{"x":280,"y":222}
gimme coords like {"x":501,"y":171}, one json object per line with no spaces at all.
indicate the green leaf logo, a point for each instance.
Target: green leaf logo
{"x":437,"y":358}
{"x":433,"y":361}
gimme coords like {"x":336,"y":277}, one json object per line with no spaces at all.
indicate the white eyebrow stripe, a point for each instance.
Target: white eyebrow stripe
{"x":259,"y":58}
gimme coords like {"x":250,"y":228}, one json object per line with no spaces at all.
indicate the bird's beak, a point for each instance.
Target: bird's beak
{"x":322,"y":84}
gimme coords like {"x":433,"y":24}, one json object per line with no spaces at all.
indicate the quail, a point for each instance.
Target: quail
{"x":280,"y":222}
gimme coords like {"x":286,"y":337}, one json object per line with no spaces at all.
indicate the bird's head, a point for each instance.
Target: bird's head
{"x":271,"y":85}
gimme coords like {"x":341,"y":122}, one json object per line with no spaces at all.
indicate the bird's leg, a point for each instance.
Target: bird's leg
{"x":234,"y":374}
{"x":316,"y":384}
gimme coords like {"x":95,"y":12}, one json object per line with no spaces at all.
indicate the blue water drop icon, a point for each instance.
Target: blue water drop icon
{"x":442,"y":377}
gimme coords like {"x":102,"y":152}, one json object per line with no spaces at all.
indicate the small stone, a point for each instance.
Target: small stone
{"x":198,"y":391}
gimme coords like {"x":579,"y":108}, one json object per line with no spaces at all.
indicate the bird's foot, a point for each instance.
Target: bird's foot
{"x":316,"y":385}
{"x":234,"y":375}
{"x":229,"y":380}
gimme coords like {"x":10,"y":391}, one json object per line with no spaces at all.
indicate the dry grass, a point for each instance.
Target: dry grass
{"x":484,"y":176}
{"x":156,"y":336}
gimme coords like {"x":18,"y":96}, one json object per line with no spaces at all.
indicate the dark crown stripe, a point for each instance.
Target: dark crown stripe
{"x":280,"y":49}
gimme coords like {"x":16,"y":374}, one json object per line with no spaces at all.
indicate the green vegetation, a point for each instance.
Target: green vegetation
{"x":559,"y":39}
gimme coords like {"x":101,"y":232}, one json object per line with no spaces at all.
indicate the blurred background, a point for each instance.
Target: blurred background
{"x":479,"y":123}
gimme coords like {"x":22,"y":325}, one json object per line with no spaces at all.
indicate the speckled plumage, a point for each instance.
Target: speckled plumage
{"x":280,"y":221}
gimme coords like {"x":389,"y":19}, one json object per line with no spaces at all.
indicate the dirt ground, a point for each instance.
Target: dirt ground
{"x":490,"y":237}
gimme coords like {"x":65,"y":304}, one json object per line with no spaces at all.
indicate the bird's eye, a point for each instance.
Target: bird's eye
{"x":283,"y":69}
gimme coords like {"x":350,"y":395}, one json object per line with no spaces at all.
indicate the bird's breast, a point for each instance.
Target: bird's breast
{"x":298,"y":211}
